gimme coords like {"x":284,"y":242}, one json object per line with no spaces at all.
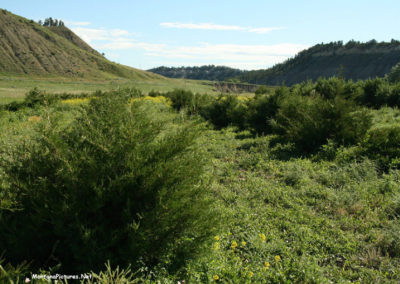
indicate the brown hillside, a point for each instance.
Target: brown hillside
{"x":72,"y":37}
{"x":29,"y":48}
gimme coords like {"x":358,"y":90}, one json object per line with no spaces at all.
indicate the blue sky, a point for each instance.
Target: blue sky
{"x":249,"y":34}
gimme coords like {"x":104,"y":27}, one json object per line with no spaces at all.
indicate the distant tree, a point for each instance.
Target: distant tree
{"x":394,"y":75}
{"x":50,"y":22}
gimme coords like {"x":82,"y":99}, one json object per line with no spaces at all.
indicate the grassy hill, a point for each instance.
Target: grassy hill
{"x":353,"y":60}
{"x":32,"y":49}
{"x":56,"y":60}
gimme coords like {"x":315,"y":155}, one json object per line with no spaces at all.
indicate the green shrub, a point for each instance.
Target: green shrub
{"x":37,"y":97}
{"x":393,"y":99}
{"x":260,"y":111}
{"x":383,"y":145}
{"x":224,"y":111}
{"x":121,"y":183}
{"x":181,"y":99}
{"x":394,"y":75}
{"x":330,"y":88}
{"x":375,"y":93}
{"x":262,"y":90}
{"x":309,"y":121}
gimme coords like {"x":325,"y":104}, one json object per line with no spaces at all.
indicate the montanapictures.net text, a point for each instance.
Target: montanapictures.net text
{"x":61,"y":276}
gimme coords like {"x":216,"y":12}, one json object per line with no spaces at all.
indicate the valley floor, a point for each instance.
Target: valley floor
{"x":276,"y":216}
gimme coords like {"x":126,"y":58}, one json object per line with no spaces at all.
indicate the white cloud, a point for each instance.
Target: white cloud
{"x":237,"y":56}
{"x":129,"y":44}
{"x":111,"y":41}
{"x":90,"y":34}
{"x":229,"y":51}
{"x":211,"y":26}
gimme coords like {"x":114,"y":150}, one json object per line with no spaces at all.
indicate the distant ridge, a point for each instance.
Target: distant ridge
{"x":353,"y":60}
{"x":206,"y":72}
{"x":29,"y":48}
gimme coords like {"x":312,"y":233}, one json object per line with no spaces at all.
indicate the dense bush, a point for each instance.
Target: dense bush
{"x":394,"y":75}
{"x":376,"y":92}
{"x":261,"y":110}
{"x":307,"y":114}
{"x":224,"y":111}
{"x":186,"y":100}
{"x":120,"y":183}
{"x":393,"y":99}
{"x":262,"y":90}
{"x":309,"y":121}
{"x":383,"y":145}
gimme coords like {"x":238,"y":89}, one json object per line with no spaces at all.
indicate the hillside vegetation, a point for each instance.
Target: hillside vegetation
{"x":206,"y":72}
{"x":297,"y":184}
{"x":353,"y":60}
{"x":31,"y":49}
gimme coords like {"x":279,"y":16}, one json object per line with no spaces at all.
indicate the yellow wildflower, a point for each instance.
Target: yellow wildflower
{"x":215,"y":277}
{"x":266,"y":265}
{"x":234,"y":244}
{"x":251,"y":274}
{"x":34,"y":118}
{"x":277,"y":258}
{"x":216,"y":246}
{"x":216,"y":238}
{"x":75,"y":101}
{"x":263,"y":237}
{"x":244,"y":243}
{"x":243,"y":98}
{"x":158,"y":99}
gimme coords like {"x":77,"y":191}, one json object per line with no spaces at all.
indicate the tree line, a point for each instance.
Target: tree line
{"x":50,"y":22}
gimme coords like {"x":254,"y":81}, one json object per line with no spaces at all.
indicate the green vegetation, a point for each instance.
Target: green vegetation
{"x":135,"y":178}
{"x":206,"y":72}
{"x":353,"y":60}
{"x":394,"y":75}
{"x":297,"y":184}
{"x":116,"y":182}
{"x":15,"y":87}
{"x":49,"y":22}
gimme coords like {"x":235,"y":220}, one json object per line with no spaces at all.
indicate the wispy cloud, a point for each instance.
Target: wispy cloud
{"x":238,"y":56}
{"x":90,"y":34}
{"x":261,"y":55}
{"x":211,"y":26}
{"x":112,"y":41}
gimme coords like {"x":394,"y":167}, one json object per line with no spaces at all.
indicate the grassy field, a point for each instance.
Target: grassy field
{"x":15,"y":88}
{"x":198,"y":188}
